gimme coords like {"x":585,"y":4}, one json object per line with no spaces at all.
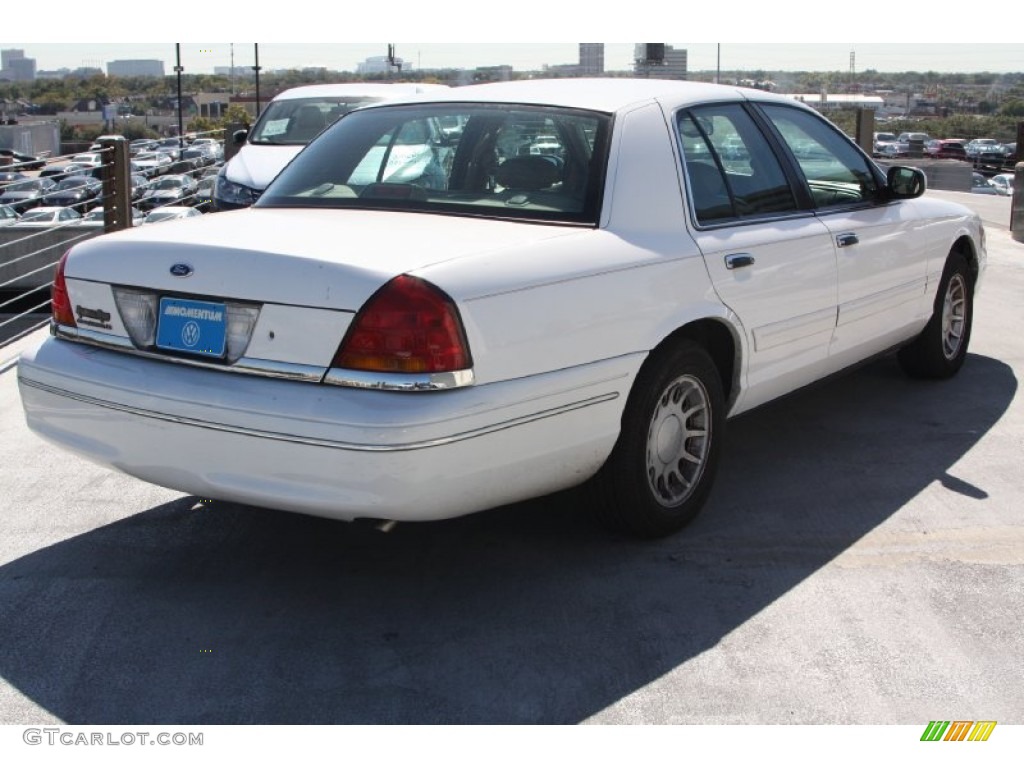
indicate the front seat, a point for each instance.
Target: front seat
{"x":710,"y":195}
{"x":306,"y":123}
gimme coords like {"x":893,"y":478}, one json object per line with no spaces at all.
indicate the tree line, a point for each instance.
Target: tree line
{"x":976,"y":104}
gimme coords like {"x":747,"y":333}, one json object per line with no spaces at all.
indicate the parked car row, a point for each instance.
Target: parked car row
{"x":989,"y":153}
{"x":77,"y":192}
{"x":25,"y":193}
{"x":46,"y":217}
{"x":982,"y":152}
{"x":76,"y":185}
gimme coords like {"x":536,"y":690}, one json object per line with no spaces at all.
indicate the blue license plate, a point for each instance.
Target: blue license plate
{"x":197,"y":327}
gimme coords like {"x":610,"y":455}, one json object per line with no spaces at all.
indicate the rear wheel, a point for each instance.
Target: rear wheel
{"x":941,"y":348}
{"x":663,"y":465}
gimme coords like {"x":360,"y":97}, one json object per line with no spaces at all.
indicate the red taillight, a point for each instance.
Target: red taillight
{"x":408,"y":326}
{"x":60,"y":302}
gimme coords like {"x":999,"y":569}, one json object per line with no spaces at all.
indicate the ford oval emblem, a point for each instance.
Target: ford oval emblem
{"x":181,"y":270}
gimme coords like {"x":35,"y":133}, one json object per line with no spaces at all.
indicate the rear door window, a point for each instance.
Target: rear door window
{"x":731,"y":170}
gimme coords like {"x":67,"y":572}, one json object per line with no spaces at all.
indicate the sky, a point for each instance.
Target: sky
{"x":783,"y":35}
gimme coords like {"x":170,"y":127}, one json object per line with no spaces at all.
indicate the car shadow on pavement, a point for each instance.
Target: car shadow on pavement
{"x":524,"y":614}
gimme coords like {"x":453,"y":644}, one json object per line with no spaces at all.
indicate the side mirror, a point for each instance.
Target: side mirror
{"x":904,"y":183}
{"x":239,"y":137}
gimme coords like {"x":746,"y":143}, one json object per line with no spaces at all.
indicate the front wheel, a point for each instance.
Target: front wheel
{"x":663,"y":465}
{"x":941,"y":348}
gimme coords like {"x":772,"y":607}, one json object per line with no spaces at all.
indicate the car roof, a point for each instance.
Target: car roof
{"x":598,"y":94}
{"x":359,"y":89}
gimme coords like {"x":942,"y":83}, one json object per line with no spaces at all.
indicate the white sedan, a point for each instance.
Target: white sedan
{"x":152,"y":164}
{"x":1003,"y":182}
{"x":470,"y":323}
{"x":170,"y":213}
{"x":48,"y":216}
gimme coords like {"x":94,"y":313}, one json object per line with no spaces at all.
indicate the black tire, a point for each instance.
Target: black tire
{"x":650,"y":491}
{"x":941,"y":348}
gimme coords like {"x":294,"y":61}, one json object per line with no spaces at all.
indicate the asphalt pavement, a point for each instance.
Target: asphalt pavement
{"x":859,"y":561}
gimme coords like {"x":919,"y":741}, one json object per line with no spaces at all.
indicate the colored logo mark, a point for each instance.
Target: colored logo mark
{"x":958,"y":730}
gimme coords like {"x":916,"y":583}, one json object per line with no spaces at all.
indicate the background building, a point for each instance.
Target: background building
{"x":10,"y":54}
{"x":671,"y":65}
{"x":675,"y":63}
{"x":135,"y":68}
{"x":591,"y":59}
{"x":16,"y":67}
{"x":376,"y":65}
{"x":234,"y":71}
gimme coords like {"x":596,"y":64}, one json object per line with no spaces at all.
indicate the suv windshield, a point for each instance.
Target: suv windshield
{"x":506,"y":161}
{"x":296,"y":121}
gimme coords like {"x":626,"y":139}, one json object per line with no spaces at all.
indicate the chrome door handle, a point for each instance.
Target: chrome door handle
{"x":734,"y":260}
{"x":845,"y":239}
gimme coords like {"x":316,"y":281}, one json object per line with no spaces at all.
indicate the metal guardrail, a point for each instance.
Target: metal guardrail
{"x":28,"y":259}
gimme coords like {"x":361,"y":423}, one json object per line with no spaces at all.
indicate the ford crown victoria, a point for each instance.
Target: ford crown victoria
{"x":452,"y":302}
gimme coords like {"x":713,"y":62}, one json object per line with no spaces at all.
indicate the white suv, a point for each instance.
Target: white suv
{"x":289,"y":123}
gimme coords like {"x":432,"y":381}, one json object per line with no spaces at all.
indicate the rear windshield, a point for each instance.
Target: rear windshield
{"x":506,"y":161}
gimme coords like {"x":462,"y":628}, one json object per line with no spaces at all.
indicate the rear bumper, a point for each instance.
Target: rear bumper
{"x":328,"y":451}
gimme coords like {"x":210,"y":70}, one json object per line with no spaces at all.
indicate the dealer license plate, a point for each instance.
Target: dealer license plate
{"x":197,"y":327}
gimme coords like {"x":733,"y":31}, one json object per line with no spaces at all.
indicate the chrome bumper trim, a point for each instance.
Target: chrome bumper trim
{"x":336,"y":444}
{"x":399,"y":382}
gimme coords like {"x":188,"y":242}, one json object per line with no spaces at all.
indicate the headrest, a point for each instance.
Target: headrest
{"x":529,"y":172}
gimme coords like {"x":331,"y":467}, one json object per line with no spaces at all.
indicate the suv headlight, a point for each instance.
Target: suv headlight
{"x":233,"y":194}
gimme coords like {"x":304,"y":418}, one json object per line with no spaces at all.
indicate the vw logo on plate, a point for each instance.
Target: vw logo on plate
{"x":182,"y":270}
{"x":190,"y":333}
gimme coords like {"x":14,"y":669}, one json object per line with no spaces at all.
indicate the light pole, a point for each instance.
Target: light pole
{"x":179,"y":69}
{"x":393,"y":62}
{"x":256,"y":69}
